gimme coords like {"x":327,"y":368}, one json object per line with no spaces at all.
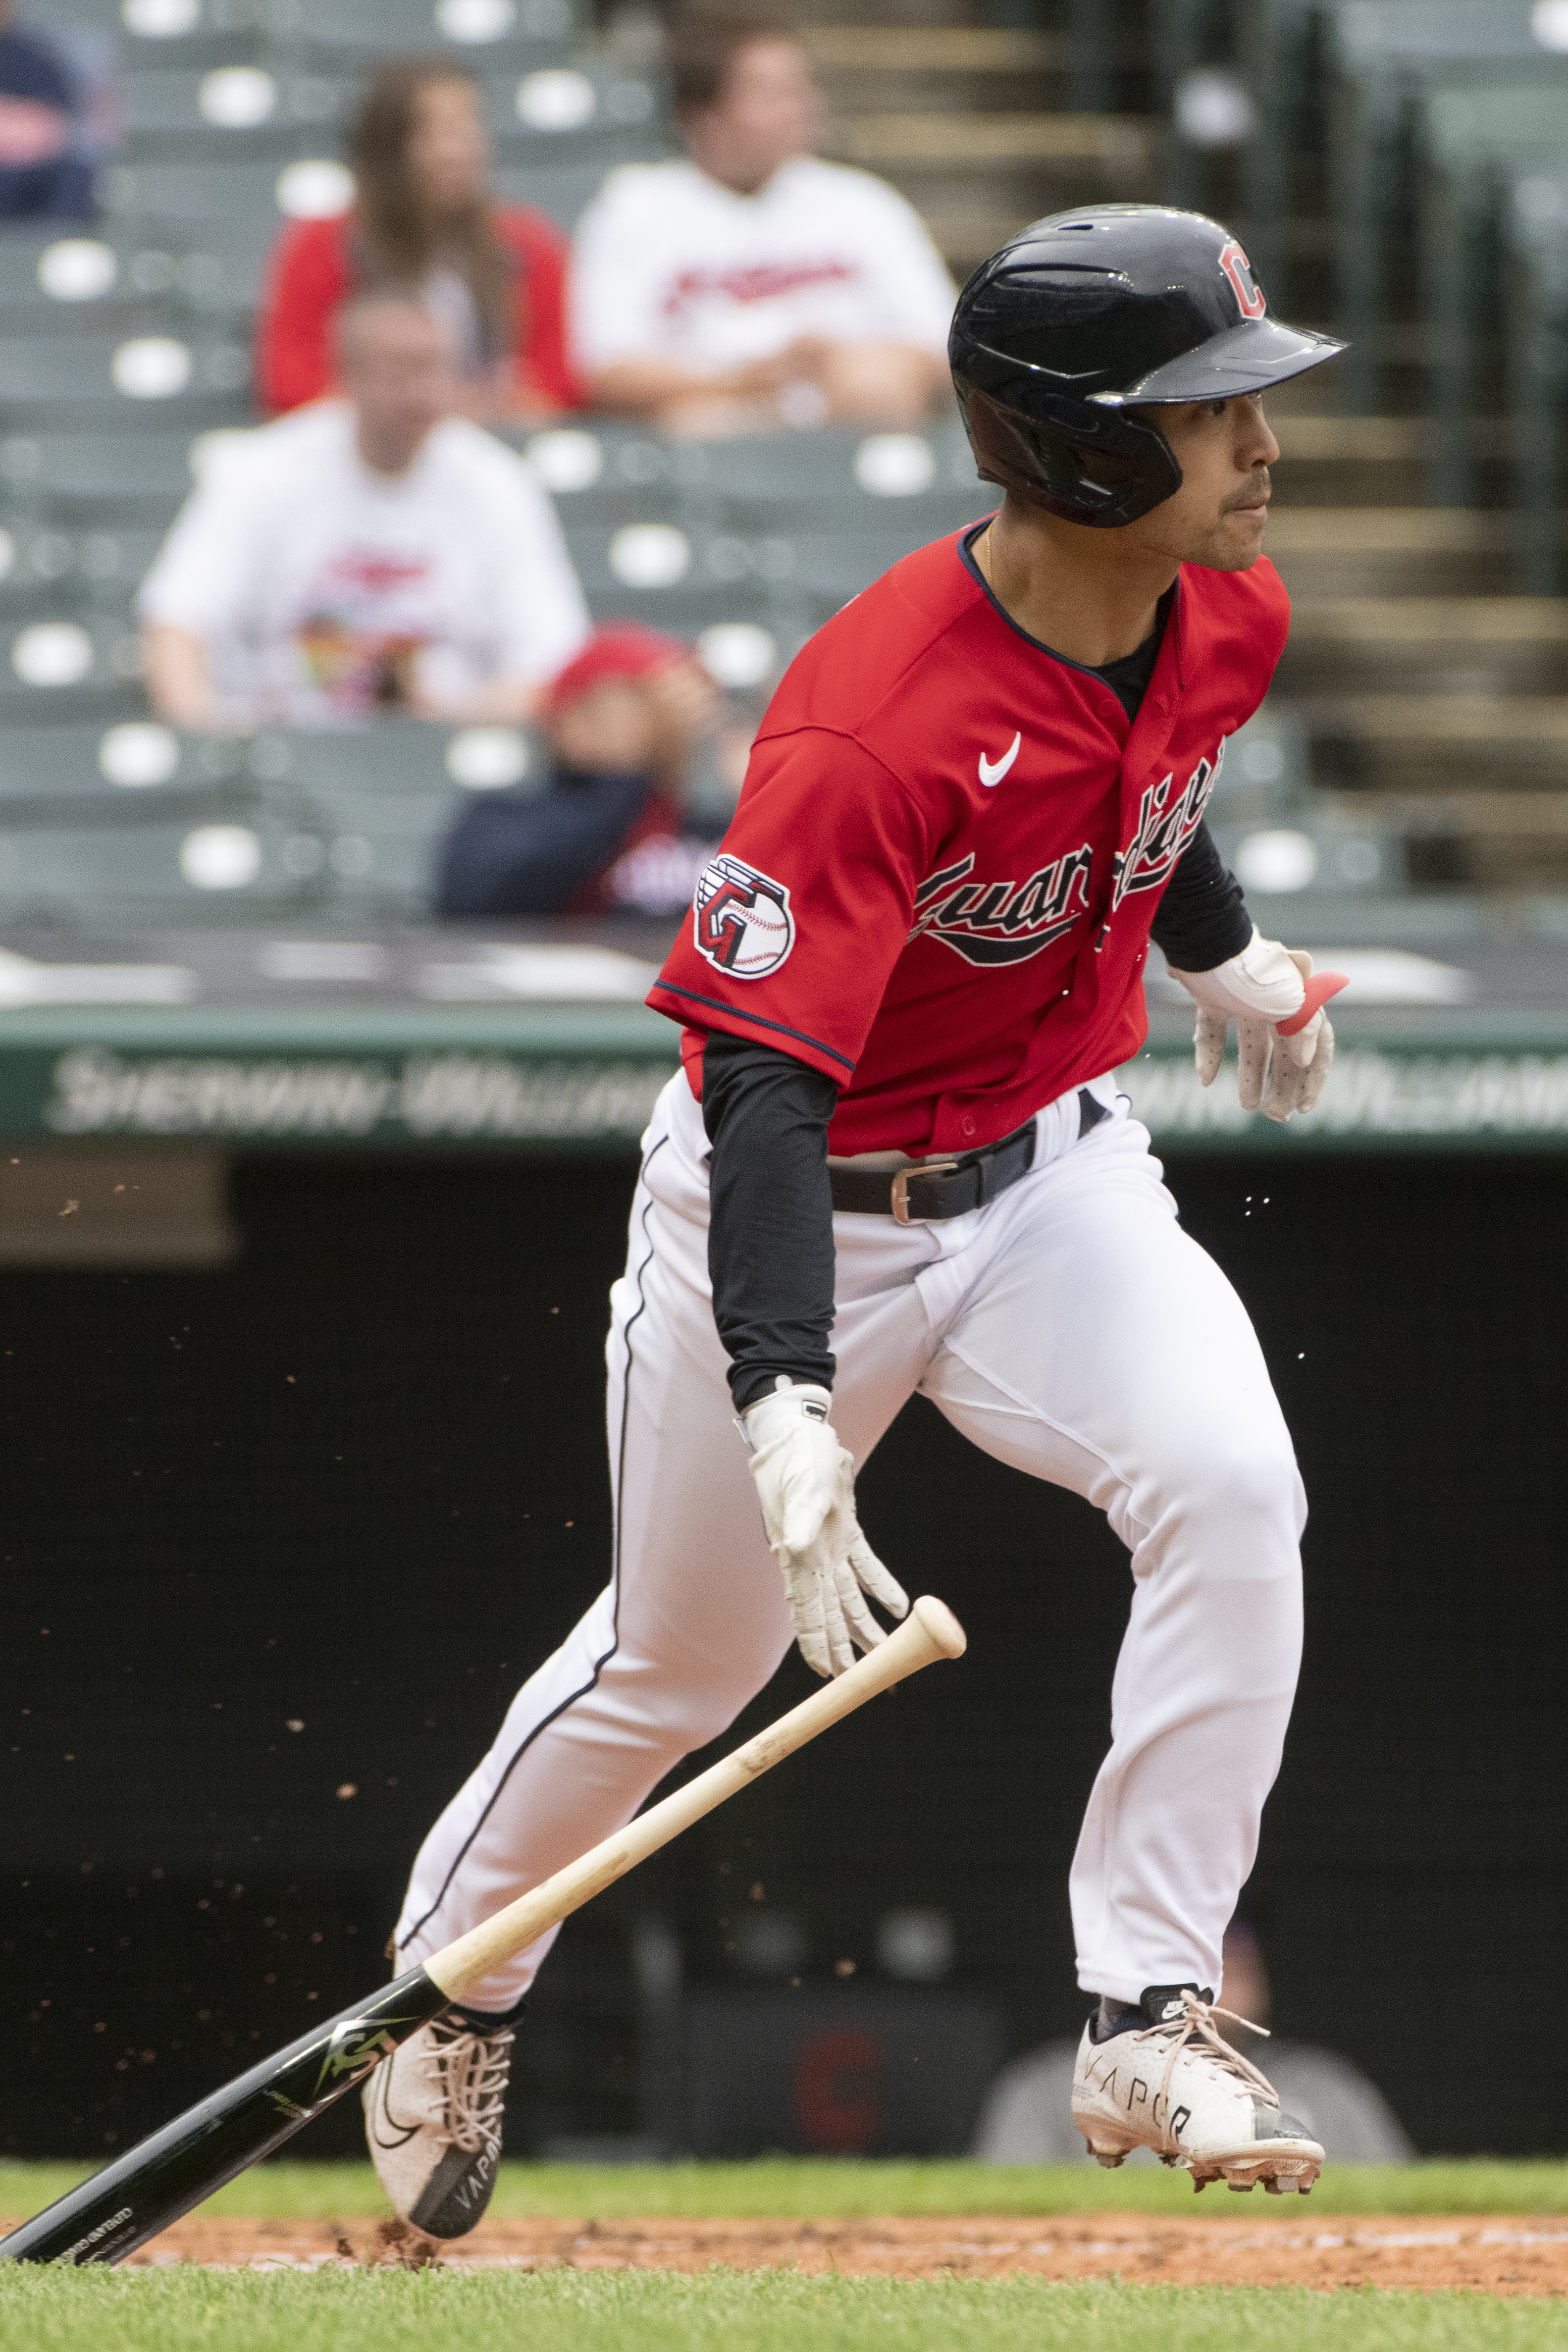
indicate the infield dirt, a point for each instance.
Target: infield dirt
{"x":1498,"y":2253}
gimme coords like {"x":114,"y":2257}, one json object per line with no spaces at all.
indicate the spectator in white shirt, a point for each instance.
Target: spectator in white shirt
{"x":369,"y":555}
{"x":755,"y":285}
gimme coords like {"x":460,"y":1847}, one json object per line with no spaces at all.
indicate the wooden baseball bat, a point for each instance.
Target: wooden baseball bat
{"x":163,"y":2176}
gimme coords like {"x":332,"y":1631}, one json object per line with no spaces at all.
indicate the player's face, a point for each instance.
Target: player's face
{"x":1224,"y":449}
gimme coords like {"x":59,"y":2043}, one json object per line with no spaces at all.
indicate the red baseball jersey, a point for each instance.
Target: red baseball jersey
{"x":938,"y":884}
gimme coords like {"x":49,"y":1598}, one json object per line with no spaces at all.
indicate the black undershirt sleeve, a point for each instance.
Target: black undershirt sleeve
{"x":770,"y":1234}
{"x":1202,"y":918}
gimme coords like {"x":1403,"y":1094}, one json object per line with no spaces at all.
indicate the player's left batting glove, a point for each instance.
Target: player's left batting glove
{"x":1284,"y":1044}
{"x":806,"y":1483}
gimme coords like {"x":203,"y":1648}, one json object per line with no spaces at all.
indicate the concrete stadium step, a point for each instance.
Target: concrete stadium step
{"x":897,"y":49}
{"x":1434,"y":741}
{"x":1347,"y":552}
{"x":976,"y":178}
{"x":1120,"y":143}
{"x":1482,"y":644}
{"x":1332,"y":460}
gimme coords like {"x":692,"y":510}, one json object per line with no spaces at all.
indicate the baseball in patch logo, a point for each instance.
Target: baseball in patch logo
{"x":740,"y":920}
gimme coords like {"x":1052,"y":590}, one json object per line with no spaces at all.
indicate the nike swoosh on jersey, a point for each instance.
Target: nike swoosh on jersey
{"x":993,"y":770}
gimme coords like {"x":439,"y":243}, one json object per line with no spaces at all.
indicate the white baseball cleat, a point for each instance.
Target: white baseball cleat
{"x":432,"y":2119}
{"x":1174,"y":2085}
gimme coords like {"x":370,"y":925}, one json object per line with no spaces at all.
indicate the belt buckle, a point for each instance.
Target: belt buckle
{"x":902,"y":1214}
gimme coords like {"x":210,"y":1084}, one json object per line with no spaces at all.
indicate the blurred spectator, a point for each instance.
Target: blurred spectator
{"x":423,"y":216}
{"x":375,"y":554}
{"x":1027,"y":2115}
{"x":755,"y":285}
{"x":610,"y":833}
{"x":58,"y":115}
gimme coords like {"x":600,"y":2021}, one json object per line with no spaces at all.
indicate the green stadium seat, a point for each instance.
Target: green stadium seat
{"x":1536,"y":227}
{"x":45,"y":570}
{"x":922,"y":483}
{"x":230,"y":114}
{"x":219,"y":221}
{"x":1474,"y":135}
{"x":58,"y":280}
{"x":575,"y":105}
{"x":130,"y":383}
{"x":1383,"y":54}
{"x":130,"y":770}
{"x":484,"y":34}
{"x":1316,"y":851}
{"x":673,"y":576}
{"x":377,"y":803}
{"x":149,"y":869}
{"x":563,"y":189}
{"x":69,"y":665}
{"x":112,"y":481}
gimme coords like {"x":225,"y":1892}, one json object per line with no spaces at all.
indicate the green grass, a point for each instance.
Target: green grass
{"x":332,"y":2311}
{"x":783,"y":2186}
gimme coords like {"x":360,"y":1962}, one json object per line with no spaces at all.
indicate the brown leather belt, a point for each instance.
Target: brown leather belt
{"x":930,"y":1190}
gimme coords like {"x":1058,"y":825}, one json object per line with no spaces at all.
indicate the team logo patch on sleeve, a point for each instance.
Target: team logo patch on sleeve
{"x":740,"y":920}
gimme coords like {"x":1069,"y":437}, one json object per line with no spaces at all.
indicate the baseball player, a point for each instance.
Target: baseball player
{"x":897,"y":1159}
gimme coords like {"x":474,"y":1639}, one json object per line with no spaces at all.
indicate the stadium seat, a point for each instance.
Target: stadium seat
{"x":378,"y":801}
{"x":56,"y":278}
{"x":919,"y":484}
{"x":70,"y":665}
{"x":1536,"y":227}
{"x":673,"y":577}
{"x":832,"y":566}
{"x":1317,"y":851}
{"x":166,"y":32}
{"x":228,"y":215}
{"x":45,"y":570}
{"x":484,"y":34}
{"x":563,"y":190}
{"x":229,"y":114}
{"x":1383,"y":56}
{"x":154,"y":870}
{"x":599,"y":470}
{"x":575,"y":105}
{"x":109,"y":481}
{"x":132,"y":770}
{"x":124,"y":382}
{"x":1473,"y":135}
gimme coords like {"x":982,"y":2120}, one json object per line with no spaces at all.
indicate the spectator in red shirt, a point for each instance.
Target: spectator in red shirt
{"x":424,"y":216}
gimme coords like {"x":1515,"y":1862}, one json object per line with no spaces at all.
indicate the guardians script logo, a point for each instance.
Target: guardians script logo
{"x":1003,"y":922}
{"x":740,"y":920}
{"x":1167,"y":819}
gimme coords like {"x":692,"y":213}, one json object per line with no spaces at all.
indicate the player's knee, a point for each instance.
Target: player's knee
{"x":1248,"y":1486}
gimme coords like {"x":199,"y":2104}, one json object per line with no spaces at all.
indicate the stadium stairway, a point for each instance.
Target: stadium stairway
{"x":1433,"y":689}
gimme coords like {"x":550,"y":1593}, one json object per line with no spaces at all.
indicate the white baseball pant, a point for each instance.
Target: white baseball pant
{"x":1070,"y":1327}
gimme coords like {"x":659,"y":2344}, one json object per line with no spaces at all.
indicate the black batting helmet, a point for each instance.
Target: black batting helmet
{"x":1088,"y":314}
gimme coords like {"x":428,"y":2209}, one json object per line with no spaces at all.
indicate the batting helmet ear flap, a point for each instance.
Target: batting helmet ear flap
{"x":1094,"y":466}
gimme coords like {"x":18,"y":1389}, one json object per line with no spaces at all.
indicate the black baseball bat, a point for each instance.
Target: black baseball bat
{"x":165,"y":2175}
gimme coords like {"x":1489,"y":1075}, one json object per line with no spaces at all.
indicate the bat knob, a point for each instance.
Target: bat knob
{"x":941,"y":1625}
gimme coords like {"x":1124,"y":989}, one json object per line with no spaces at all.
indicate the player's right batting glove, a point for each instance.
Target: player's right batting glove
{"x":1285,"y":1046}
{"x":806,"y":1483}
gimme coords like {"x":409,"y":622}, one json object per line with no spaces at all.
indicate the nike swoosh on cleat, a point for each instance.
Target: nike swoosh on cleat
{"x":993,"y":770}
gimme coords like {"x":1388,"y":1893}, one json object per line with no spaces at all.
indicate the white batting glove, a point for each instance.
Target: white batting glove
{"x":806,"y":1482}
{"x":1285,"y":1046}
